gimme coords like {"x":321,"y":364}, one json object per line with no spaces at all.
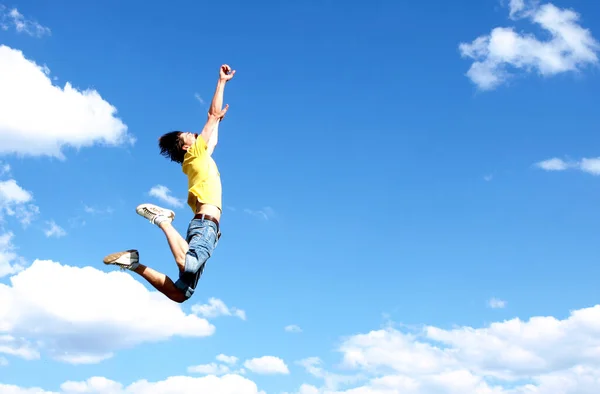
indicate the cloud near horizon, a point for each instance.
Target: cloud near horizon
{"x":90,"y":327}
{"x":541,"y":355}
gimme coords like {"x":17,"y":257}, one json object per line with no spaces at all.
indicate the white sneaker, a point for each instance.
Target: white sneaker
{"x":128,"y":259}
{"x":155,"y":214}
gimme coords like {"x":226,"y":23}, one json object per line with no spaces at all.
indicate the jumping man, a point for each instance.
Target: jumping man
{"x":193,"y":152}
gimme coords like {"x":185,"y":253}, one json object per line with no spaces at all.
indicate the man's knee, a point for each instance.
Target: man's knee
{"x":180,"y":261}
{"x":182,"y":291}
{"x":180,"y":296}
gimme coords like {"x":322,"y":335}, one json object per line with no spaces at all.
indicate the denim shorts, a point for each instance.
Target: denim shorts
{"x":202,"y":238}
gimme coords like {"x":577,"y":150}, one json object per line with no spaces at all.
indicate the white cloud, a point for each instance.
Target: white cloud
{"x":267,"y":365}
{"x":4,"y":168}
{"x":228,"y":384}
{"x":332,"y":381}
{"x":95,"y":384}
{"x":12,"y":193}
{"x":554,"y":164}
{"x":164,"y":194}
{"x":293,"y":328}
{"x":209,"y":369}
{"x":569,"y":49}
{"x":266,"y":213}
{"x":216,"y":308}
{"x":54,"y":230}
{"x":227,"y":359}
{"x":16,"y":201}
{"x":97,"y":211}
{"x":591,"y":166}
{"x":496,"y":303}
{"x":77,"y":315}
{"x":10,"y":262}
{"x":543,"y":355}
{"x":199,"y":98}
{"x":216,"y":368}
{"x":587,"y":165}
{"x":18,"y":347}
{"x":516,"y":6}
{"x":40,"y":119}
{"x":13,"y":18}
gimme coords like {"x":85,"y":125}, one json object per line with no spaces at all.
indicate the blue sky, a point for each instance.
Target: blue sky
{"x":406,"y":183}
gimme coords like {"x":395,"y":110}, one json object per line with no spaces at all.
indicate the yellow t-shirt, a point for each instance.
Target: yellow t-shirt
{"x":204,"y":179}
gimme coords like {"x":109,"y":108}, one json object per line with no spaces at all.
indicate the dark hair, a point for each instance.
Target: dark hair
{"x":170,"y":146}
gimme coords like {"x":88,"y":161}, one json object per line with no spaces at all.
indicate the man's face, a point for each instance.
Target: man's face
{"x":187,"y":139}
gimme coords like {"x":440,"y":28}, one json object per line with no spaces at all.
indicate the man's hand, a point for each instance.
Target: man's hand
{"x":226,"y":73}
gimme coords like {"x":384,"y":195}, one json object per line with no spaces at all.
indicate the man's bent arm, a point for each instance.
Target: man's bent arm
{"x":211,"y":123}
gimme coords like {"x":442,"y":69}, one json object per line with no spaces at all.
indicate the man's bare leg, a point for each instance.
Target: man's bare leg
{"x":178,"y":245}
{"x":163,"y":219}
{"x":160,"y":282}
{"x":129,"y":260}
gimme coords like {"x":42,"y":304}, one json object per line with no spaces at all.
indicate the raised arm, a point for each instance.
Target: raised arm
{"x":225,"y":75}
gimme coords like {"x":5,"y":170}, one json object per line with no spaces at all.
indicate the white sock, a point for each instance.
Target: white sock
{"x":158,"y":219}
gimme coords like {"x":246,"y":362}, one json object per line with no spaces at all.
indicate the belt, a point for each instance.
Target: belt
{"x":202,"y":216}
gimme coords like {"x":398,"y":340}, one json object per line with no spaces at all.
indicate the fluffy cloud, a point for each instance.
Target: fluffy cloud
{"x":16,"y":201}
{"x":77,"y":315}
{"x":63,"y":117}
{"x":54,"y":230}
{"x":216,"y":368}
{"x":554,"y":164}
{"x":18,"y":347}
{"x":228,"y":384}
{"x":543,"y":355}
{"x":227,"y":359}
{"x":496,"y":303}
{"x":569,"y":48}
{"x":587,"y":165}
{"x":10,"y":262}
{"x":13,"y":18}
{"x":209,"y":369}
{"x":267,"y":365}
{"x":216,"y":308}
{"x":4,"y":168}
{"x":164,"y":194}
{"x":314,"y":366}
